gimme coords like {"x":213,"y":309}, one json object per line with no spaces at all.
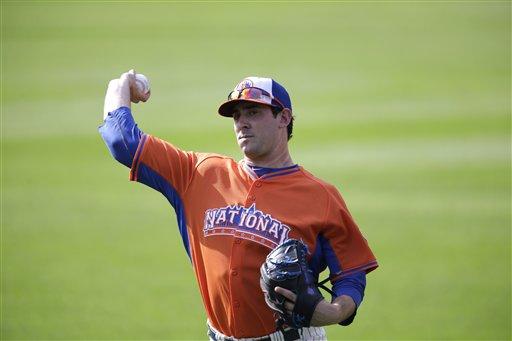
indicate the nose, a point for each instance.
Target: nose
{"x":241,"y":122}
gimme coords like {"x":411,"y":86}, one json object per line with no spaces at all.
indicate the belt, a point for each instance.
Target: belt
{"x":289,"y":335}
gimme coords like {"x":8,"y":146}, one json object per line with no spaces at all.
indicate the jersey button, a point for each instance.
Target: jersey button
{"x":252,"y":197}
{"x":238,"y":240}
{"x":257,"y":184}
{"x":234,"y":272}
{"x":236,"y":304}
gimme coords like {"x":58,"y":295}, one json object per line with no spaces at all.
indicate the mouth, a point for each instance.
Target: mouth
{"x":245,"y":137}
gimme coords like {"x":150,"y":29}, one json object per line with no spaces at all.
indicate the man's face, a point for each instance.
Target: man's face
{"x":257,"y":130}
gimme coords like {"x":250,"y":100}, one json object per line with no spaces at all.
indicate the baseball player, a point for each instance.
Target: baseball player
{"x":231,"y":214}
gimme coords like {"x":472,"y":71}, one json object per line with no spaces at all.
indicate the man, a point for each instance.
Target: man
{"x":232,"y":214}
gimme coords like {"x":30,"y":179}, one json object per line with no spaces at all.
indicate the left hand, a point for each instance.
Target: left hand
{"x":325,"y":313}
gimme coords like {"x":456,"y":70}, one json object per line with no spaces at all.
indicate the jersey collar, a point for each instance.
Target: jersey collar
{"x":281,"y":172}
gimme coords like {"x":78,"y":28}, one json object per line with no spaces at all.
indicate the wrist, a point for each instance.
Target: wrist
{"x":327,"y":313}
{"x":347,"y":307}
{"x":337,"y":313}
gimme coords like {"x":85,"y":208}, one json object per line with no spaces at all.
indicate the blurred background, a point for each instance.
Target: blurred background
{"x":404,"y":106}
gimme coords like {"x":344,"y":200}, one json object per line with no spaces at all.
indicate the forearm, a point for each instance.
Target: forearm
{"x":333,"y":313}
{"x":119,"y":131}
{"x":349,"y":292}
{"x":118,"y":95}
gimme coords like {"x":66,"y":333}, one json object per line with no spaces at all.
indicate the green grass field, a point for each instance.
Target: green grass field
{"x":404,"y":106}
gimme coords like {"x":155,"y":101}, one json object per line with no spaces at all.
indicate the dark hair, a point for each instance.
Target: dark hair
{"x":289,"y":129}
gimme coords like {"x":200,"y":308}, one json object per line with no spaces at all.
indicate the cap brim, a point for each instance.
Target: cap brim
{"x":226,"y":108}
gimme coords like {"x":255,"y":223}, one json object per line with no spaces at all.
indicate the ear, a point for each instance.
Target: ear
{"x":285,"y":117}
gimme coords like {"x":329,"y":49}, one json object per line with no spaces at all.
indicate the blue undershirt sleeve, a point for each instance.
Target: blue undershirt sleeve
{"x":121,"y":135}
{"x":353,"y":286}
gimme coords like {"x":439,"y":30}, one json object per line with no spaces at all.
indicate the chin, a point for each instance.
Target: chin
{"x":245,"y":147}
{"x":249,"y":152}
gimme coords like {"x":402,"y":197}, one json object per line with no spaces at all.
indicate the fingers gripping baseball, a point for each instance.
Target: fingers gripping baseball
{"x":129,"y":87}
{"x":138,"y":84}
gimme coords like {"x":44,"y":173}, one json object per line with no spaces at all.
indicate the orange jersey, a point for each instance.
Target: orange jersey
{"x":230,"y":220}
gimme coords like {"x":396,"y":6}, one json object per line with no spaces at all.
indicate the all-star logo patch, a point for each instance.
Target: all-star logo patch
{"x":247,"y":223}
{"x":246,"y":83}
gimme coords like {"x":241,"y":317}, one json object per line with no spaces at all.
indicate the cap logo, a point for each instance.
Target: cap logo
{"x":246,"y":83}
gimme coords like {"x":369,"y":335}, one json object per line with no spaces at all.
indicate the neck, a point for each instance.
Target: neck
{"x":279,"y":159}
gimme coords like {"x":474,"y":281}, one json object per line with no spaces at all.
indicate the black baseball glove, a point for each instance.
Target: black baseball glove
{"x":286,"y":267}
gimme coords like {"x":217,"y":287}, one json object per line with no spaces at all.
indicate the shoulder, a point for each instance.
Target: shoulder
{"x":203,"y":157}
{"x":162,"y":149}
{"x":208,"y":160}
{"x":320,"y":184}
{"x":329,"y":192}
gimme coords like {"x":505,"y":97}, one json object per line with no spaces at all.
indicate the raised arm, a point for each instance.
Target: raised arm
{"x":119,"y":131}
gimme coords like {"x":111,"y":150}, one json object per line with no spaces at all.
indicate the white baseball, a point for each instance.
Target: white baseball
{"x":142,"y":83}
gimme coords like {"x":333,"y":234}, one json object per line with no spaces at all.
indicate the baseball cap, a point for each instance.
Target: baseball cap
{"x":259,"y":90}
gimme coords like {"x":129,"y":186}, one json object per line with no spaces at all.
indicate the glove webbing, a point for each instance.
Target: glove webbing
{"x":321,"y":285}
